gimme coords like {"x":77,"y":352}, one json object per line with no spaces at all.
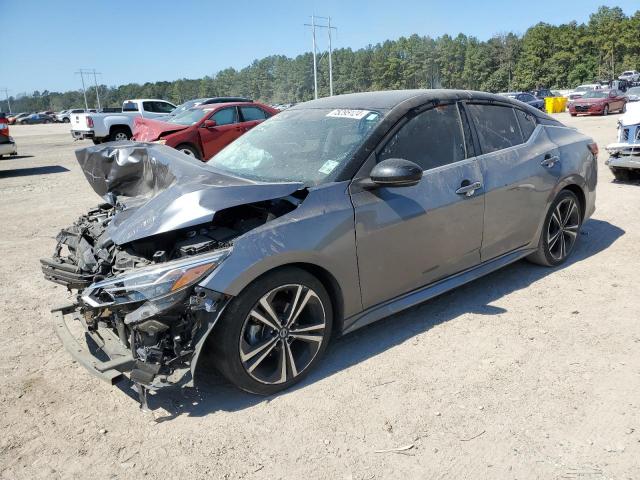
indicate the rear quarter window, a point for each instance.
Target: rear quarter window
{"x":129,"y":107}
{"x":496,"y":126}
{"x":527,"y":123}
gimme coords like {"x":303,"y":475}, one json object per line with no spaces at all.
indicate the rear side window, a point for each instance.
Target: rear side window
{"x":430,"y":139}
{"x":129,"y":107}
{"x":496,"y":125}
{"x":527,"y":123}
{"x":250,"y":114}
{"x":225,"y":116}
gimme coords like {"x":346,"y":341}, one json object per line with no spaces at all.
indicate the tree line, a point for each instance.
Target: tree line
{"x":554,"y":56}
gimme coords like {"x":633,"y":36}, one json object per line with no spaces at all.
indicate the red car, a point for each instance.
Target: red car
{"x":204,"y":130}
{"x":598,"y":102}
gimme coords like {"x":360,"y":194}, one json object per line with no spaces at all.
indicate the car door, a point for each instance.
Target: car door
{"x":408,"y":237}
{"x":250,"y":116}
{"x":225,"y":131}
{"x":520,"y":166}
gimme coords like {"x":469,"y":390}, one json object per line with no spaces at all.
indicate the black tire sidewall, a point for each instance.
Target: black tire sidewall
{"x":545,"y":246}
{"x":226,"y":342}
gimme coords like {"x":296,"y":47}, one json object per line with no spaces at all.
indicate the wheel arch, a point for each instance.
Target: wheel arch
{"x":578,"y":192}
{"x":120,"y":126}
{"x":192,"y":145}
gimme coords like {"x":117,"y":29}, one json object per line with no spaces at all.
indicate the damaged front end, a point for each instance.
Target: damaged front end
{"x":136,"y":261}
{"x":625,"y":153}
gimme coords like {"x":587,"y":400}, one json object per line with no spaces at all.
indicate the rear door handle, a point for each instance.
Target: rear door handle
{"x":468,"y":188}
{"x":550,"y":160}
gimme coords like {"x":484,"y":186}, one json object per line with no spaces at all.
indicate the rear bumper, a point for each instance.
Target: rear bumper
{"x":8,"y":148}
{"x":100,"y":344}
{"x":82,"y":134}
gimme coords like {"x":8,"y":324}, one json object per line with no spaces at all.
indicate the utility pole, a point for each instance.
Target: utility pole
{"x":95,"y":81}
{"x":85,"y":71}
{"x":313,"y":26}
{"x":84,"y":92}
{"x":6,"y":94}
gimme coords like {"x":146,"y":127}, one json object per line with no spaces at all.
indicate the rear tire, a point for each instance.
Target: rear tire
{"x":119,"y":134}
{"x":261,"y":356}
{"x":560,"y":231}
{"x":189,"y":150}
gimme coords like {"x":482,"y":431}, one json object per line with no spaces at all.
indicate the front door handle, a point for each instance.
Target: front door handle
{"x":550,"y":160}
{"x":468,"y":188}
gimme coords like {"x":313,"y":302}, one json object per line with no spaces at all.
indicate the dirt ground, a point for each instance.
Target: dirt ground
{"x":528,"y":373}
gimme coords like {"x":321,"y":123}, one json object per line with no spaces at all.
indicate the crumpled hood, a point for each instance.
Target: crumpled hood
{"x":148,"y":130}
{"x":161,"y":189}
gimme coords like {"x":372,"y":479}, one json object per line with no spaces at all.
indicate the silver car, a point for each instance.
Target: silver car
{"x":325,"y":218}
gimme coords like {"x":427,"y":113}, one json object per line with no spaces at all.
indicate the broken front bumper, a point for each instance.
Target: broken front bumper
{"x":106,"y":356}
{"x":102,"y":343}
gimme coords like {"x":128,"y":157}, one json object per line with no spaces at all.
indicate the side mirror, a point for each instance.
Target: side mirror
{"x":612,"y":94}
{"x":395,"y":172}
{"x":209,"y":123}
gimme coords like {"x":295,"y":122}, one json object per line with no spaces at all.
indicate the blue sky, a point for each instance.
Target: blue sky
{"x":45,"y":41}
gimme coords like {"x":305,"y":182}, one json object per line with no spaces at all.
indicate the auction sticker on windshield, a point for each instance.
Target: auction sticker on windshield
{"x":328,"y":166}
{"x":347,"y":113}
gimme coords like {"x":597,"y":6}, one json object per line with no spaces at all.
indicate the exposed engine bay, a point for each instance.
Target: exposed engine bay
{"x":142,"y":293}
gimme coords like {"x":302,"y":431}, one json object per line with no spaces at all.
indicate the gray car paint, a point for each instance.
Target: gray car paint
{"x":345,"y":235}
{"x":327,"y":233}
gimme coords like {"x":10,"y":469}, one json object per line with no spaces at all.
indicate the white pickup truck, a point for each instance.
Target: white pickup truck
{"x":109,"y":127}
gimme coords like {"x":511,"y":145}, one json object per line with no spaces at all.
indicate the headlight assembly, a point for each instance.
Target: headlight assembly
{"x":153,"y":282}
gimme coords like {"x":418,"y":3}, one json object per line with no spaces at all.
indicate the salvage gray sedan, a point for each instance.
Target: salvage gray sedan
{"x":327,"y":217}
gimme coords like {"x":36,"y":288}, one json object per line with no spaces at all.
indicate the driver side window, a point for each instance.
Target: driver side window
{"x":225,"y":116}
{"x":430,"y":139}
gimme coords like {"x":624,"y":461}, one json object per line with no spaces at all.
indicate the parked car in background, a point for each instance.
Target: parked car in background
{"x":203,"y":101}
{"x":65,"y":115}
{"x":12,"y":119}
{"x":35,"y":118}
{"x":7,"y":144}
{"x":633,"y":94}
{"x":624,"y":160}
{"x":203,"y":131}
{"x":325,"y":218}
{"x":630,"y":76}
{"x":580,"y":90}
{"x":109,"y":127}
{"x":598,"y":102}
{"x":542,"y":93}
{"x":526,"y":97}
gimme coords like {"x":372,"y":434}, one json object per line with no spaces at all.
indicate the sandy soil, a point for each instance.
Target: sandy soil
{"x":527,"y":373}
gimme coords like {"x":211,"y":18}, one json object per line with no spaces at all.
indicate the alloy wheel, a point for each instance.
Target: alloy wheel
{"x":121,"y":136}
{"x":562,"y":230}
{"x":282,"y":334}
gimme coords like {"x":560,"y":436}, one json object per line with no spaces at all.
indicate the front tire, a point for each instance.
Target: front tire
{"x":275,"y":332}
{"x":605,"y":111}
{"x":189,"y":150}
{"x":621,"y":174}
{"x":560,"y":231}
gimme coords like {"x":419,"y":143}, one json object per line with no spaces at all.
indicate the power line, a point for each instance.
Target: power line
{"x":313,"y":26}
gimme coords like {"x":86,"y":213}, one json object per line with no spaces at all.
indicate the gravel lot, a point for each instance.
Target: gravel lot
{"x":527,"y":373}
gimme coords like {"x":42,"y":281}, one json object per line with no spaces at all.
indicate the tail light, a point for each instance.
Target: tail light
{"x":89,"y":122}
{"x":4,"y":127}
{"x":593,"y":148}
